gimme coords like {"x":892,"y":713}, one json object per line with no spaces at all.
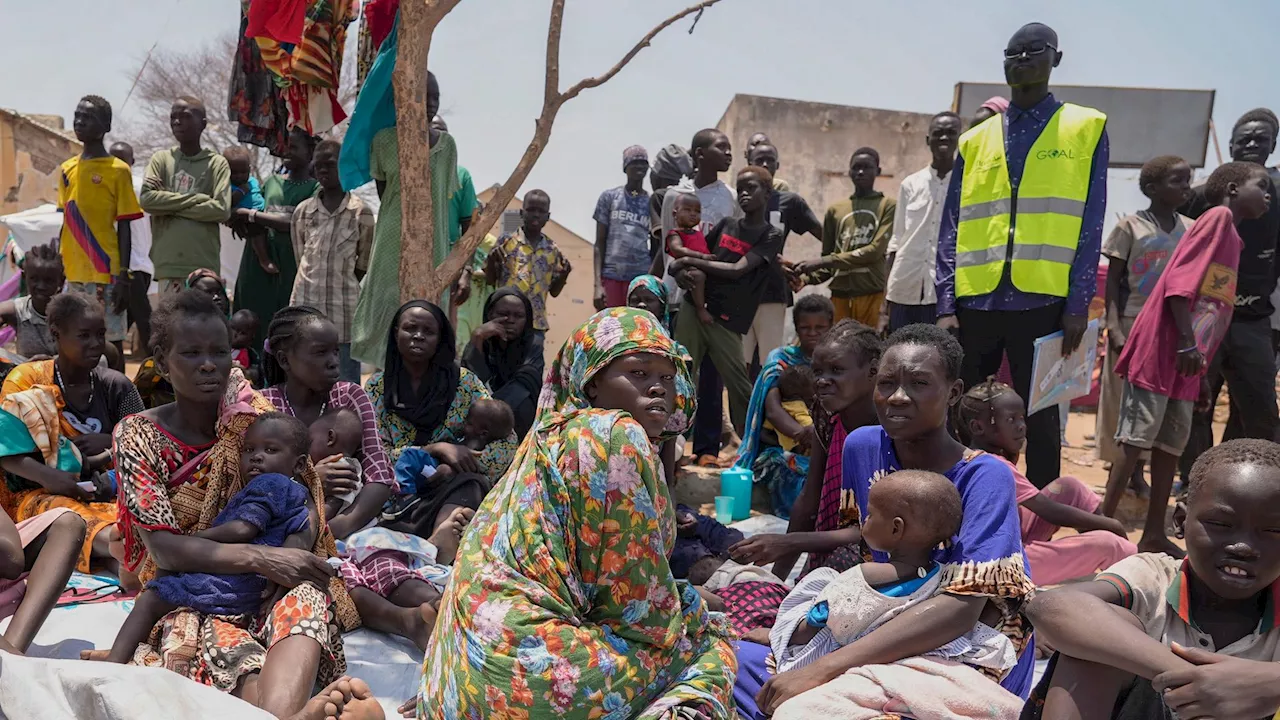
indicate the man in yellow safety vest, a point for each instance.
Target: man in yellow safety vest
{"x":1022,"y":230}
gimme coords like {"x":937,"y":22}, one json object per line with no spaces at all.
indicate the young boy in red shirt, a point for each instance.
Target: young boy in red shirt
{"x":1173,"y":338}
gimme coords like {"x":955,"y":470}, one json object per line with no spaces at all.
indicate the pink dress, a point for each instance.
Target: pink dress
{"x":12,"y":591}
{"x":1074,"y":556}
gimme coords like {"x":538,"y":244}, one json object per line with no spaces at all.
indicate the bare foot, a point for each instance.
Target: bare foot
{"x":344,"y":699}
{"x":362,"y":705}
{"x":449,"y":534}
{"x":328,"y":703}
{"x":419,"y":622}
{"x":96,"y":655}
{"x":1162,"y":545}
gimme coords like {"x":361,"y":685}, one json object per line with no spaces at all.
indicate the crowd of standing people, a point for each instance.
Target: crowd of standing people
{"x":515,"y":521}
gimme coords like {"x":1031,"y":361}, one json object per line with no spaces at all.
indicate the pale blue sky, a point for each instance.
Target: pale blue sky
{"x":488,"y":56}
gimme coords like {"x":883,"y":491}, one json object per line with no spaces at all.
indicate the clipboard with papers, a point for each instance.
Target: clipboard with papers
{"x":1055,"y":378}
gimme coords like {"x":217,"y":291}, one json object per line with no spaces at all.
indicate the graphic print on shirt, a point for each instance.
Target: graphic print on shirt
{"x":91,"y":426}
{"x":1146,"y":270}
{"x":857,"y":231}
{"x":85,"y":238}
{"x":183,"y":182}
{"x":733,"y":244}
{"x":1211,"y":314}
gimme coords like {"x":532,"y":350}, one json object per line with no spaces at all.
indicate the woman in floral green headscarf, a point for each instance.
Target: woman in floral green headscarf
{"x":648,"y":292}
{"x":562,"y":603}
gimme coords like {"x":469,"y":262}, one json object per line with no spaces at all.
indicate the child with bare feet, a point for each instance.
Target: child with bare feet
{"x":688,"y":240}
{"x":911,"y":512}
{"x":273,"y":509}
{"x":396,"y":578}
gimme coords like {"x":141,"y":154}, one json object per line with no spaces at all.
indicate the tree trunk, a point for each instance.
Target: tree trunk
{"x":418,"y":21}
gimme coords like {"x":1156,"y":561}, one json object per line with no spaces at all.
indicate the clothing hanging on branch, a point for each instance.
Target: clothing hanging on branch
{"x":253,"y":99}
{"x":307,"y":71}
{"x":378,"y":19}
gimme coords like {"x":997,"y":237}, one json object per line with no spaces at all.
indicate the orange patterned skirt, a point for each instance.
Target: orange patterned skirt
{"x":218,"y":650}
{"x":27,"y":504}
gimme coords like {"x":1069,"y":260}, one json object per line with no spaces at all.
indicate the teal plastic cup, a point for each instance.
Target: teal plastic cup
{"x":724,"y":509}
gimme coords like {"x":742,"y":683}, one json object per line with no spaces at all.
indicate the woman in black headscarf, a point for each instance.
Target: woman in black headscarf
{"x":506,"y":354}
{"x":422,"y":400}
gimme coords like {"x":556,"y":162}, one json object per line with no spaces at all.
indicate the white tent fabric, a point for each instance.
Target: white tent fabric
{"x":390,"y":665}
{"x":42,"y":225}
{"x":48,"y":689}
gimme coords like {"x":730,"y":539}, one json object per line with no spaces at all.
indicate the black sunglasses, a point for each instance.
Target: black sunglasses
{"x":1028,"y":50}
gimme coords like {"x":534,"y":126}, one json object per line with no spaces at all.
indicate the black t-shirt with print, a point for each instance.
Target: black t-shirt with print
{"x":789,"y":213}
{"x":734,"y":302}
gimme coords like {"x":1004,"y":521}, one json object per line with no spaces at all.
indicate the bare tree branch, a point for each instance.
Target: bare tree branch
{"x":417,"y":278}
{"x":644,"y":43}
{"x":551,"y":89}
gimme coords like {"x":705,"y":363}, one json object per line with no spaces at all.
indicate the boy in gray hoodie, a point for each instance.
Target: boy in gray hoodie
{"x":187,"y":193}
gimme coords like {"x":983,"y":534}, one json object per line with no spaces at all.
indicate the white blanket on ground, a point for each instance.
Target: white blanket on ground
{"x":390,"y":665}
{"x":48,"y":689}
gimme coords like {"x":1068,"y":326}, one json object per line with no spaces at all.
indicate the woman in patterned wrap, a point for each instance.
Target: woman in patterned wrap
{"x":562,"y":602}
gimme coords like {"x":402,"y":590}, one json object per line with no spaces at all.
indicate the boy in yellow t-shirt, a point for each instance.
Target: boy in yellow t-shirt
{"x":96,"y":197}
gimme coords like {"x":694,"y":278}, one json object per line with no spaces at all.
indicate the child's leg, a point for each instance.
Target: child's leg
{"x":1075,"y":556}
{"x":699,"y":292}
{"x":1118,"y":478}
{"x":1154,"y":539}
{"x":1141,"y":418}
{"x":1166,"y":447}
{"x":1081,"y":690}
{"x":50,"y":559}
{"x":1066,"y":490}
{"x":148,"y":608}
{"x":1070,"y":490}
{"x":373,"y":583}
{"x":379,"y":613}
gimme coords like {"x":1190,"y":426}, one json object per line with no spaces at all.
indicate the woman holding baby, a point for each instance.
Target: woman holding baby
{"x":983,"y":572}
{"x":301,"y":369}
{"x":178,"y":466}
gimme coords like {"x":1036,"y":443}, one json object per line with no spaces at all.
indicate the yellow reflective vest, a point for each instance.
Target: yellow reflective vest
{"x":1049,"y":205}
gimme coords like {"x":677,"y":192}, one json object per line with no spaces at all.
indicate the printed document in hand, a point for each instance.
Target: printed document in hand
{"x":1055,"y":378}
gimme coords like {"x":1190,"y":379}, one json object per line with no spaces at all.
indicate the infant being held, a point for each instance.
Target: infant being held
{"x":910,"y":513}
{"x":274,"y":508}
